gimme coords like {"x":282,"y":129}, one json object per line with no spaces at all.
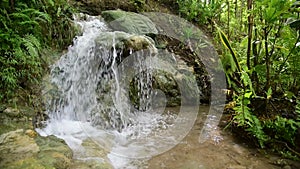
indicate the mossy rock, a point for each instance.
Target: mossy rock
{"x":129,"y":22}
{"x":23,"y":150}
{"x":124,"y":43}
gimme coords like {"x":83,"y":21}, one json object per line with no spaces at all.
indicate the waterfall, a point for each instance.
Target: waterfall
{"x":87,"y":79}
{"x":99,"y":94}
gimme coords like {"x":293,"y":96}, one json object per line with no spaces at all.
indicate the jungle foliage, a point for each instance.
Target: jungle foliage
{"x":260,"y":52}
{"x":28,"y":27}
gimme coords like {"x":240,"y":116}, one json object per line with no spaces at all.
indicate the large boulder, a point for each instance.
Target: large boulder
{"x":129,"y":22}
{"x":16,"y":145}
{"x":122,"y":42}
{"x":194,"y":50}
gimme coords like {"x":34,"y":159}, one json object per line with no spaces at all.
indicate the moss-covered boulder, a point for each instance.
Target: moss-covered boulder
{"x":123,"y":43}
{"x":26,"y":150}
{"x":129,"y":22}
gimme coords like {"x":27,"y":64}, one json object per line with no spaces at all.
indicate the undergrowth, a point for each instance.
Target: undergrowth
{"x":28,"y":27}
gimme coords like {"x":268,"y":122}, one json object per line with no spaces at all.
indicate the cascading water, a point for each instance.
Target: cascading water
{"x":89,"y":97}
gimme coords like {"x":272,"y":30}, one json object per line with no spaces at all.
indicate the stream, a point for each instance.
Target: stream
{"x":89,"y":107}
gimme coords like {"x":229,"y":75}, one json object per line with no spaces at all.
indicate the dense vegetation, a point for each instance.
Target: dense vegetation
{"x":260,"y":49}
{"x":27,"y":28}
{"x":258,"y":42}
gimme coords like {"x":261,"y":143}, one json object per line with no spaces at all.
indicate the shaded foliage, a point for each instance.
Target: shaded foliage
{"x":26,"y":28}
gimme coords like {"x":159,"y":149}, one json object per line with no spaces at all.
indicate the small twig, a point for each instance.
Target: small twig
{"x":288,"y":147}
{"x":274,"y":107}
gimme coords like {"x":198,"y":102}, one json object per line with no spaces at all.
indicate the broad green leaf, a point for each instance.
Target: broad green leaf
{"x":226,"y":43}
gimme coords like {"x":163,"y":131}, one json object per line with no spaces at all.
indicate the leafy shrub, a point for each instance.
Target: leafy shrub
{"x":282,"y":129}
{"x":200,"y":11}
{"x":26,"y":28}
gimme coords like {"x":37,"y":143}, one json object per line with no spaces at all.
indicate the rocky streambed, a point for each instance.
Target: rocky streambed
{"x":23,"y":148}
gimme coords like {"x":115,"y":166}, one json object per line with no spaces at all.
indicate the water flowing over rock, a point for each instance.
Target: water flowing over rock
{"x":181,"y":39}
{"x":93,"y":79}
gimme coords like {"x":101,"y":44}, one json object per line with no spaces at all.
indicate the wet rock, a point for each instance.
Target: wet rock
{"x":129,"y":22}
{"x":173,"y":78}
{"x":39,"y":120}
{"x":123,"y":42}
{"x":18,"y":149}
{"x":116,"y":46}
{"x":94,"y":157}
{"x":54,"y":152}
{"x":15,"y":145}
{"x":138,"y":43}
{"x":140,"y":24}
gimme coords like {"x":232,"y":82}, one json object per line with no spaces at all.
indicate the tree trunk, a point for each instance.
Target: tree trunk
{"x":255,"y":62}
{"x":250,"y":28}
{"x":266,"y":34}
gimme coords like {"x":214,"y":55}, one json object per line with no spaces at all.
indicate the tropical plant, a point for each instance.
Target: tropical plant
{"x":262,"y":65}
{"x":26,"y":28}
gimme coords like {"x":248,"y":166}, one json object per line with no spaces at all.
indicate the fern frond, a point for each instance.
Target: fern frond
{"x":4,"y":14}
{"x":21,"y":16}
{"x":20,"y":6}
{"x":32,"y":45}
{"x":42,"y":17}
{"x":33,"y":23}
{"x":19,"y":54}
{"x":50,"y":2}
{"x":36,"y":14}
{"x":4,"y":22}
{"x":28,"y":10}
{"x":34,"y":41}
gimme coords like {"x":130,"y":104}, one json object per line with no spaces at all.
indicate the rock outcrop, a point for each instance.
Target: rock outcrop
{"x":186,"y":59}
{"x":25,"y":149}
{"x":129,"y":22}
